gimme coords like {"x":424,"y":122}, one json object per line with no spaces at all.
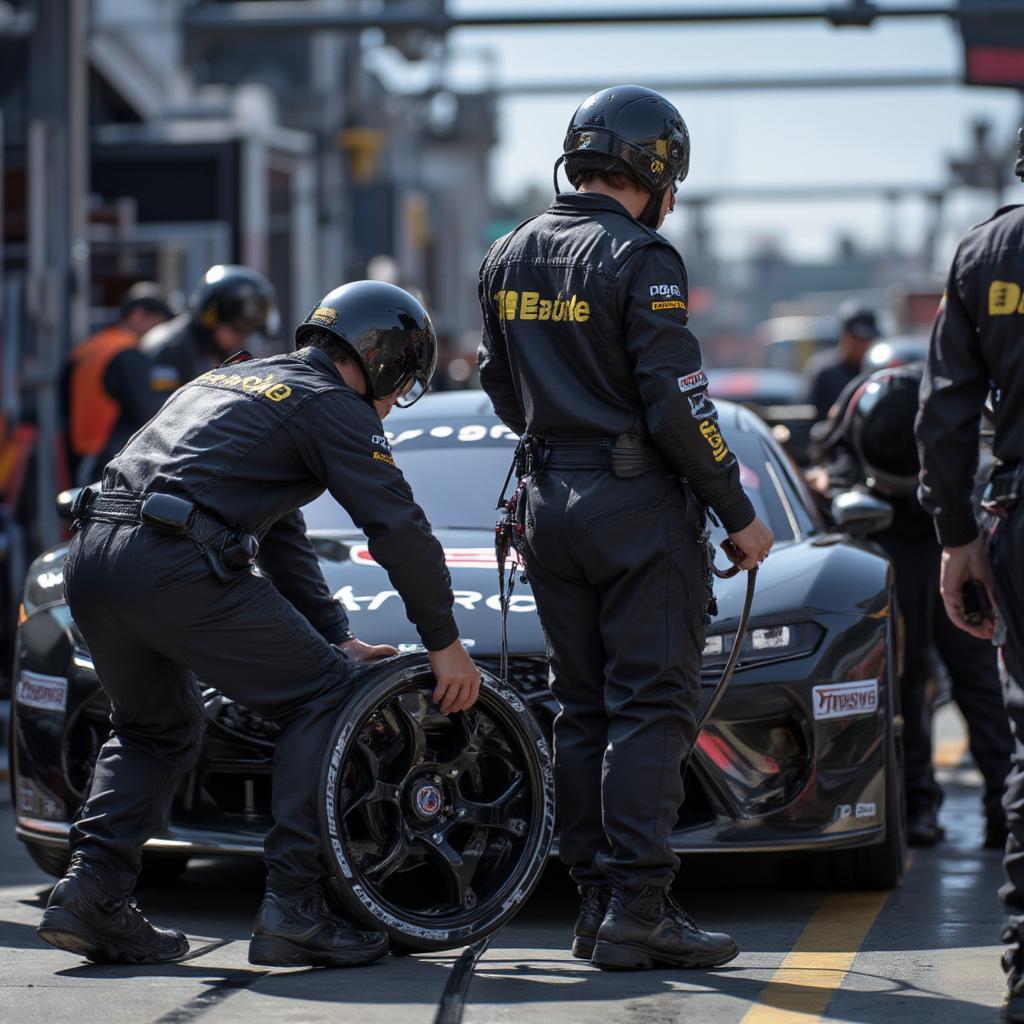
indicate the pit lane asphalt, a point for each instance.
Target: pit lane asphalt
{"x":928,"y":952}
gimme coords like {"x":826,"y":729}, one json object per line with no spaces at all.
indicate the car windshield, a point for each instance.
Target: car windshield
{"x":456,"y":469}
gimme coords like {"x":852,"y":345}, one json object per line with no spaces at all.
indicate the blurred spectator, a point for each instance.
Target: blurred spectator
{"x":229,"y":306}
{"x":112,"y":388}
{"x":869,"y":445}
{"x":830,"y":371}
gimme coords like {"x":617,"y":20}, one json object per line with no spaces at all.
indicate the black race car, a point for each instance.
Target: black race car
{"x":802,"y":754}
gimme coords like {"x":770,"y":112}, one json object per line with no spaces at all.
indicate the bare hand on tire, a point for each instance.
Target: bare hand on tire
{"x":358,"y":651}
{"x":458,"y":679}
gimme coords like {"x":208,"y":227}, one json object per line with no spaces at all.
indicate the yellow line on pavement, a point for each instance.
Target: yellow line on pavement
{"x":800,"y":990}
{"x":949,"y":753}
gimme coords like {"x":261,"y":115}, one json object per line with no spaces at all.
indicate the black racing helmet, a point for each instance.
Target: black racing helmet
{"x":237,"y":296}
{"x":388,"y":331}
{"x":881,"y":418}
{"x":629,"y":128}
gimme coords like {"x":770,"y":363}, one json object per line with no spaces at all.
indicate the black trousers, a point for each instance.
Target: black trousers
{"x":618,"y":577}
{"x":1007,"y":554}
{"x":153,"y":615}
{"x":973,"y":669}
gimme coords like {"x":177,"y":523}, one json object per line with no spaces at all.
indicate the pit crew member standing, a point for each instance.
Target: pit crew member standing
{"x":586,"y":353}
{"x":159,"y":579}
{"x":976,"y":347}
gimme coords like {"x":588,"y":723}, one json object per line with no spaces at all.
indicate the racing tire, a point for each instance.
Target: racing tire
{"x":54,"y":860}
{"x":158,"y":869}
{"x":436,"y":828}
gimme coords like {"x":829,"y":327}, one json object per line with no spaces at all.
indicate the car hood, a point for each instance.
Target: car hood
{"x":798,"y":581}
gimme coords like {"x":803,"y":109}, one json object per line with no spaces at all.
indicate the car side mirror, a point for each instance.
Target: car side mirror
{"x":858,"y":513}
{"x":65,"y":502}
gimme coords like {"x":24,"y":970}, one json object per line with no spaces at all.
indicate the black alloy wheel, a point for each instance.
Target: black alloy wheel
{"x":436,"y":827}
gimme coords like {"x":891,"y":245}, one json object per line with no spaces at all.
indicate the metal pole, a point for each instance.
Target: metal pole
{"x":58,"y":258}
{"x":275,"y":16}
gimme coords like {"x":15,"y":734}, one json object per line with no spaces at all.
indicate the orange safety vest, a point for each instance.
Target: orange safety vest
{"x":93,"y":412}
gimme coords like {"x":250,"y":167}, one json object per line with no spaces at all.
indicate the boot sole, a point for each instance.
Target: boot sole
{"x":583,"y":947}
{"x":267,"y":951}
{"x":63,"y":930}
{"x":613,"y":956}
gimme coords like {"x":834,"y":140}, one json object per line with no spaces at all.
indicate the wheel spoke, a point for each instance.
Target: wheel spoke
{"x":411,"y":708}
{"x":494,"y":813}
{"x":460,"y":866}
{"x":396,"y":855}
{"x":369,"y":803}
{"x":466,"y":758}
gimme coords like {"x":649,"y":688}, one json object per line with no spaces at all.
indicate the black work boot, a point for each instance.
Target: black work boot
{"x":646,"y":928}
{"x":1013,"y":965}
{"x":84,"y":917}
{"x":923,"y":828}
{"x":302,"y":930}
{"x":593,"y":906}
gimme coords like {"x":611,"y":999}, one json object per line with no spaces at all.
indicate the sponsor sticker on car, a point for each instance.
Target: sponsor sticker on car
{"x":47,"y":693}
{"x":843,"y":700}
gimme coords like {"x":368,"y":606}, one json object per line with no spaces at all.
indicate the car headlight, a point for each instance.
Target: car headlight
{"x":762,"y":644}
{"x":45,"y":583}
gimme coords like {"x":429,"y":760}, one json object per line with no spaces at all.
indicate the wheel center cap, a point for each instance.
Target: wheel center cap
{"x":428,"y":801}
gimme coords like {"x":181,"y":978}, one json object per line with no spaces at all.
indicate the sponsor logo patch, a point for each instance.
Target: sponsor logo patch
{"x":692,"y":381}
{"x":844,"y":700}
{"x":710,"y":432}
{"x":1004,"y":298}
{"x":666,"y":291}
{"x":48,"y":693}
{"x":867,"y":810}
{"x":513,"y":305}
{"x":252,"y":384}
{"x":701,"y":406}
{"x":324,"y":315}
{"x":383,"y":457}
{"x":668,"y":304}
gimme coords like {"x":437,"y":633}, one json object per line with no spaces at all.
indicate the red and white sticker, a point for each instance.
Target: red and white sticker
{"x":48,"y":693}
{"x":844,"y":700}
{"x":455,"y":558}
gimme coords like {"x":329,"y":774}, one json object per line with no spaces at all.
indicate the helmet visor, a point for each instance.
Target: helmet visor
{"x":411,"y":391}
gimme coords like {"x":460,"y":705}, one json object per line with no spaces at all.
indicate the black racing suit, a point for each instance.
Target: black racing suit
{"x":973,"y":667}
{"x":976,"y":346}
{"x":181,"y":350}
{"x":248,"y":444}
{"x":585,"y":339}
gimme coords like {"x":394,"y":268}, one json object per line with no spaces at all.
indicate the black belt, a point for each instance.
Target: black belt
{"x":126,"y":507}
{"x":627,"y":456}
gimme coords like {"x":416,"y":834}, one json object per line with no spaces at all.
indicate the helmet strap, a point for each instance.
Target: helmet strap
{"x":651,"y":213}
{"x":554,"y":173}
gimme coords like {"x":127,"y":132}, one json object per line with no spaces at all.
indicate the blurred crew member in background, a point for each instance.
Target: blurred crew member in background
{"x":870,"y":445}
{"x":112,"y":388}
{"x":229,"y":305}
{"x":586,"y":353}
{"x":976,"y":347}
{"x":160,"y":581}
{"x":830,"y":371}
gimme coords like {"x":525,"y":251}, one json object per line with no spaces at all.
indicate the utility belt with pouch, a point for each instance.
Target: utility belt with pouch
{"x":1002,"y":492}
{"x":228,"y":552}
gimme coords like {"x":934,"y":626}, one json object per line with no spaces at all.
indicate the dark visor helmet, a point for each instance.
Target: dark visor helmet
{"x":881,"y":418}
{"x":236,"y":296}
{"x":629,"y":128}
{"x":388,"y":331}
